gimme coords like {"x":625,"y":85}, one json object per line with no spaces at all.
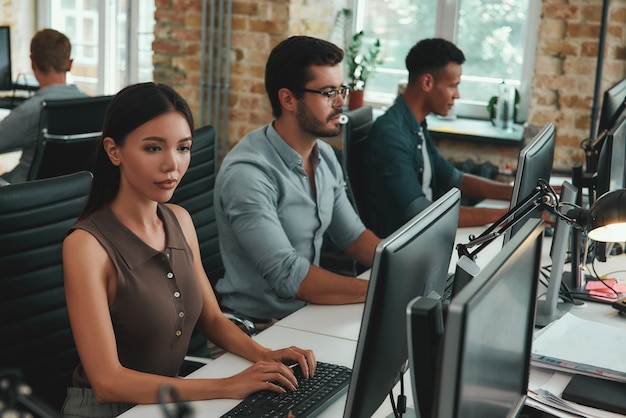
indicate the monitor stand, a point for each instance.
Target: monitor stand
{"x":541,"y":319}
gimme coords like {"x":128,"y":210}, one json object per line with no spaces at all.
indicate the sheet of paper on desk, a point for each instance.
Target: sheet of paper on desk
{"x":581,"y":346}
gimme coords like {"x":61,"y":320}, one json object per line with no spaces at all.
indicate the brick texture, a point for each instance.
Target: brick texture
{"x":562,"y":87}
{"x":256,"y":27}
{"x":565,"y":70}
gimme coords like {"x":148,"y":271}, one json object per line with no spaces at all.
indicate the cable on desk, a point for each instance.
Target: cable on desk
{"x":400,"y":409}
{"x":593,"y":267}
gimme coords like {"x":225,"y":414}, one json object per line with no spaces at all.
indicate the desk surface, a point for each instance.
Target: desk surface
{"x":327,"y":348}
{"x":474,"y":130}
{"x":332,"y":332}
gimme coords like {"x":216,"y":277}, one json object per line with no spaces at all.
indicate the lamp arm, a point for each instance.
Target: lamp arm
{"x":576,"y":217}
{"x":543,"y":195}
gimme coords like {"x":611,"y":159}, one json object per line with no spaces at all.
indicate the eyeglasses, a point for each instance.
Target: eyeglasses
{"x":332,"y":95}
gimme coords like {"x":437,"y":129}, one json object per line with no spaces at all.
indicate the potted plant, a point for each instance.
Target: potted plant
{"x":361,"y":65}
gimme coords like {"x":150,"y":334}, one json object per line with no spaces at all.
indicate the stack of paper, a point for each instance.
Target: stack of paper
{"x":580,"y":346}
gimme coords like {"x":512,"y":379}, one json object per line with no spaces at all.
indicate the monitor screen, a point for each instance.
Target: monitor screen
{"x":534,"y":163}
{"x":549,"y":308}
{"x":612,"y":105}
{"x":486,"y":337}
{"x":412,"y":261}
{"x":6,"y":78}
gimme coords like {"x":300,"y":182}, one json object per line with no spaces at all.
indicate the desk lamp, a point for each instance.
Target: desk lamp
{"x":604,"y":221}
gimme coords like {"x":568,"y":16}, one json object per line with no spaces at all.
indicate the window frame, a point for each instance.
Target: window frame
{"x":445,"y":27}
{"x":109,"y":77}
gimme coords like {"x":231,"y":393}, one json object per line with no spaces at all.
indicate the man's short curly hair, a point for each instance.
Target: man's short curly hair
{"x":430,"y":56}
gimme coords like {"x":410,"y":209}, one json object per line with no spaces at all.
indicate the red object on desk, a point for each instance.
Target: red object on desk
{"x":605,"y":289}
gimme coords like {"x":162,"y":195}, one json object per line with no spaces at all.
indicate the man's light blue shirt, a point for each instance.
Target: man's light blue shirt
{"x":271,"y":226}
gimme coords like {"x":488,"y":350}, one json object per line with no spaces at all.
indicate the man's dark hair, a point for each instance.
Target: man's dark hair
{"x":430,"y":56}
{"x":289,"y":62}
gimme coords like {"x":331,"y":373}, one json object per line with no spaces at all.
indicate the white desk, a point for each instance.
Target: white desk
{"x":592,"y":311}
{"x":340,"y":321}
{"x":332,"y":332}
{"x":327,"y":348}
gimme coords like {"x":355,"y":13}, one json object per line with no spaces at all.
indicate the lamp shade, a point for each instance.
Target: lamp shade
{"x":607,"y":217}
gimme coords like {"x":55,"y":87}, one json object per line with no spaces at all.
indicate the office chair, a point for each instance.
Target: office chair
{"x":355,"y":133}
{"x":69,"y":130}
{"x":37,"y":339}
{"x":195,"y":193}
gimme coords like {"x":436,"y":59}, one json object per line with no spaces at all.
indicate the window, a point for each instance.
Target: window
{"x":104,"y":60}
{"x":498,"y":38}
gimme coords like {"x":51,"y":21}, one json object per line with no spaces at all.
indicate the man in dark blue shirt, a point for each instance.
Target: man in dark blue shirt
{"x":404,"y":170}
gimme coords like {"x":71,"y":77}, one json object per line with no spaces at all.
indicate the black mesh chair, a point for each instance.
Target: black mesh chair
{"x":69,"y":130}
{"x":37,"y":340}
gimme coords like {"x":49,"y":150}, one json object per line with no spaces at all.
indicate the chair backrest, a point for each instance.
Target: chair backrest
{"x":195,"y":193}
{"x":355,"y":133}
{"x":69,"y":130}
{"x":34,"y":218}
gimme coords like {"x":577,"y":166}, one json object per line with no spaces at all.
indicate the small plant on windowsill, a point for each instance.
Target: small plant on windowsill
{"x":361,"y":63}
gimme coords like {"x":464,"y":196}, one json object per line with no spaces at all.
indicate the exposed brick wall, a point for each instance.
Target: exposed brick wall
{"x":177,"y":46}
{"x":257,"y":26}
{"x":564,"y":81}
{"x":563,"y":84}
{"x":562,"y":88}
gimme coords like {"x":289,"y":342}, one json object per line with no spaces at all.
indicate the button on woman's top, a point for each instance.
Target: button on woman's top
{"x":158,"y":300}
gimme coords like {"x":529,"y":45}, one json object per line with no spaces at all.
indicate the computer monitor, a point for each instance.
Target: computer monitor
{"x":480,"y":346}
{"x":6,"y":77}
{"x":534,"y":163}
{"x":611,"y":173}
{"x":613,"y":103}
{"x":413,"y":261}
{"x":550,"y":309}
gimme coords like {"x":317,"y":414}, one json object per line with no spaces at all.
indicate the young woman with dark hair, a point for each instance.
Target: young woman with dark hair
{"x":134,"y":280}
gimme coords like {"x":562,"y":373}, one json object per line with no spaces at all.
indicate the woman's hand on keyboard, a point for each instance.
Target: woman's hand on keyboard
{"x":263,"y":375}
{"x":293,"y":354}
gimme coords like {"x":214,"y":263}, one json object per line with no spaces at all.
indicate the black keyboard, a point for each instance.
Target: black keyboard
{"x":311,"y":397}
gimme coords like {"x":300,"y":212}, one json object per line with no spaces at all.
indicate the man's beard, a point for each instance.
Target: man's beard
{"x":310,"y":124}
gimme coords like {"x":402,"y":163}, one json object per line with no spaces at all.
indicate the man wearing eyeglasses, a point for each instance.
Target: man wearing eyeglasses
{"x":281,"y":188}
